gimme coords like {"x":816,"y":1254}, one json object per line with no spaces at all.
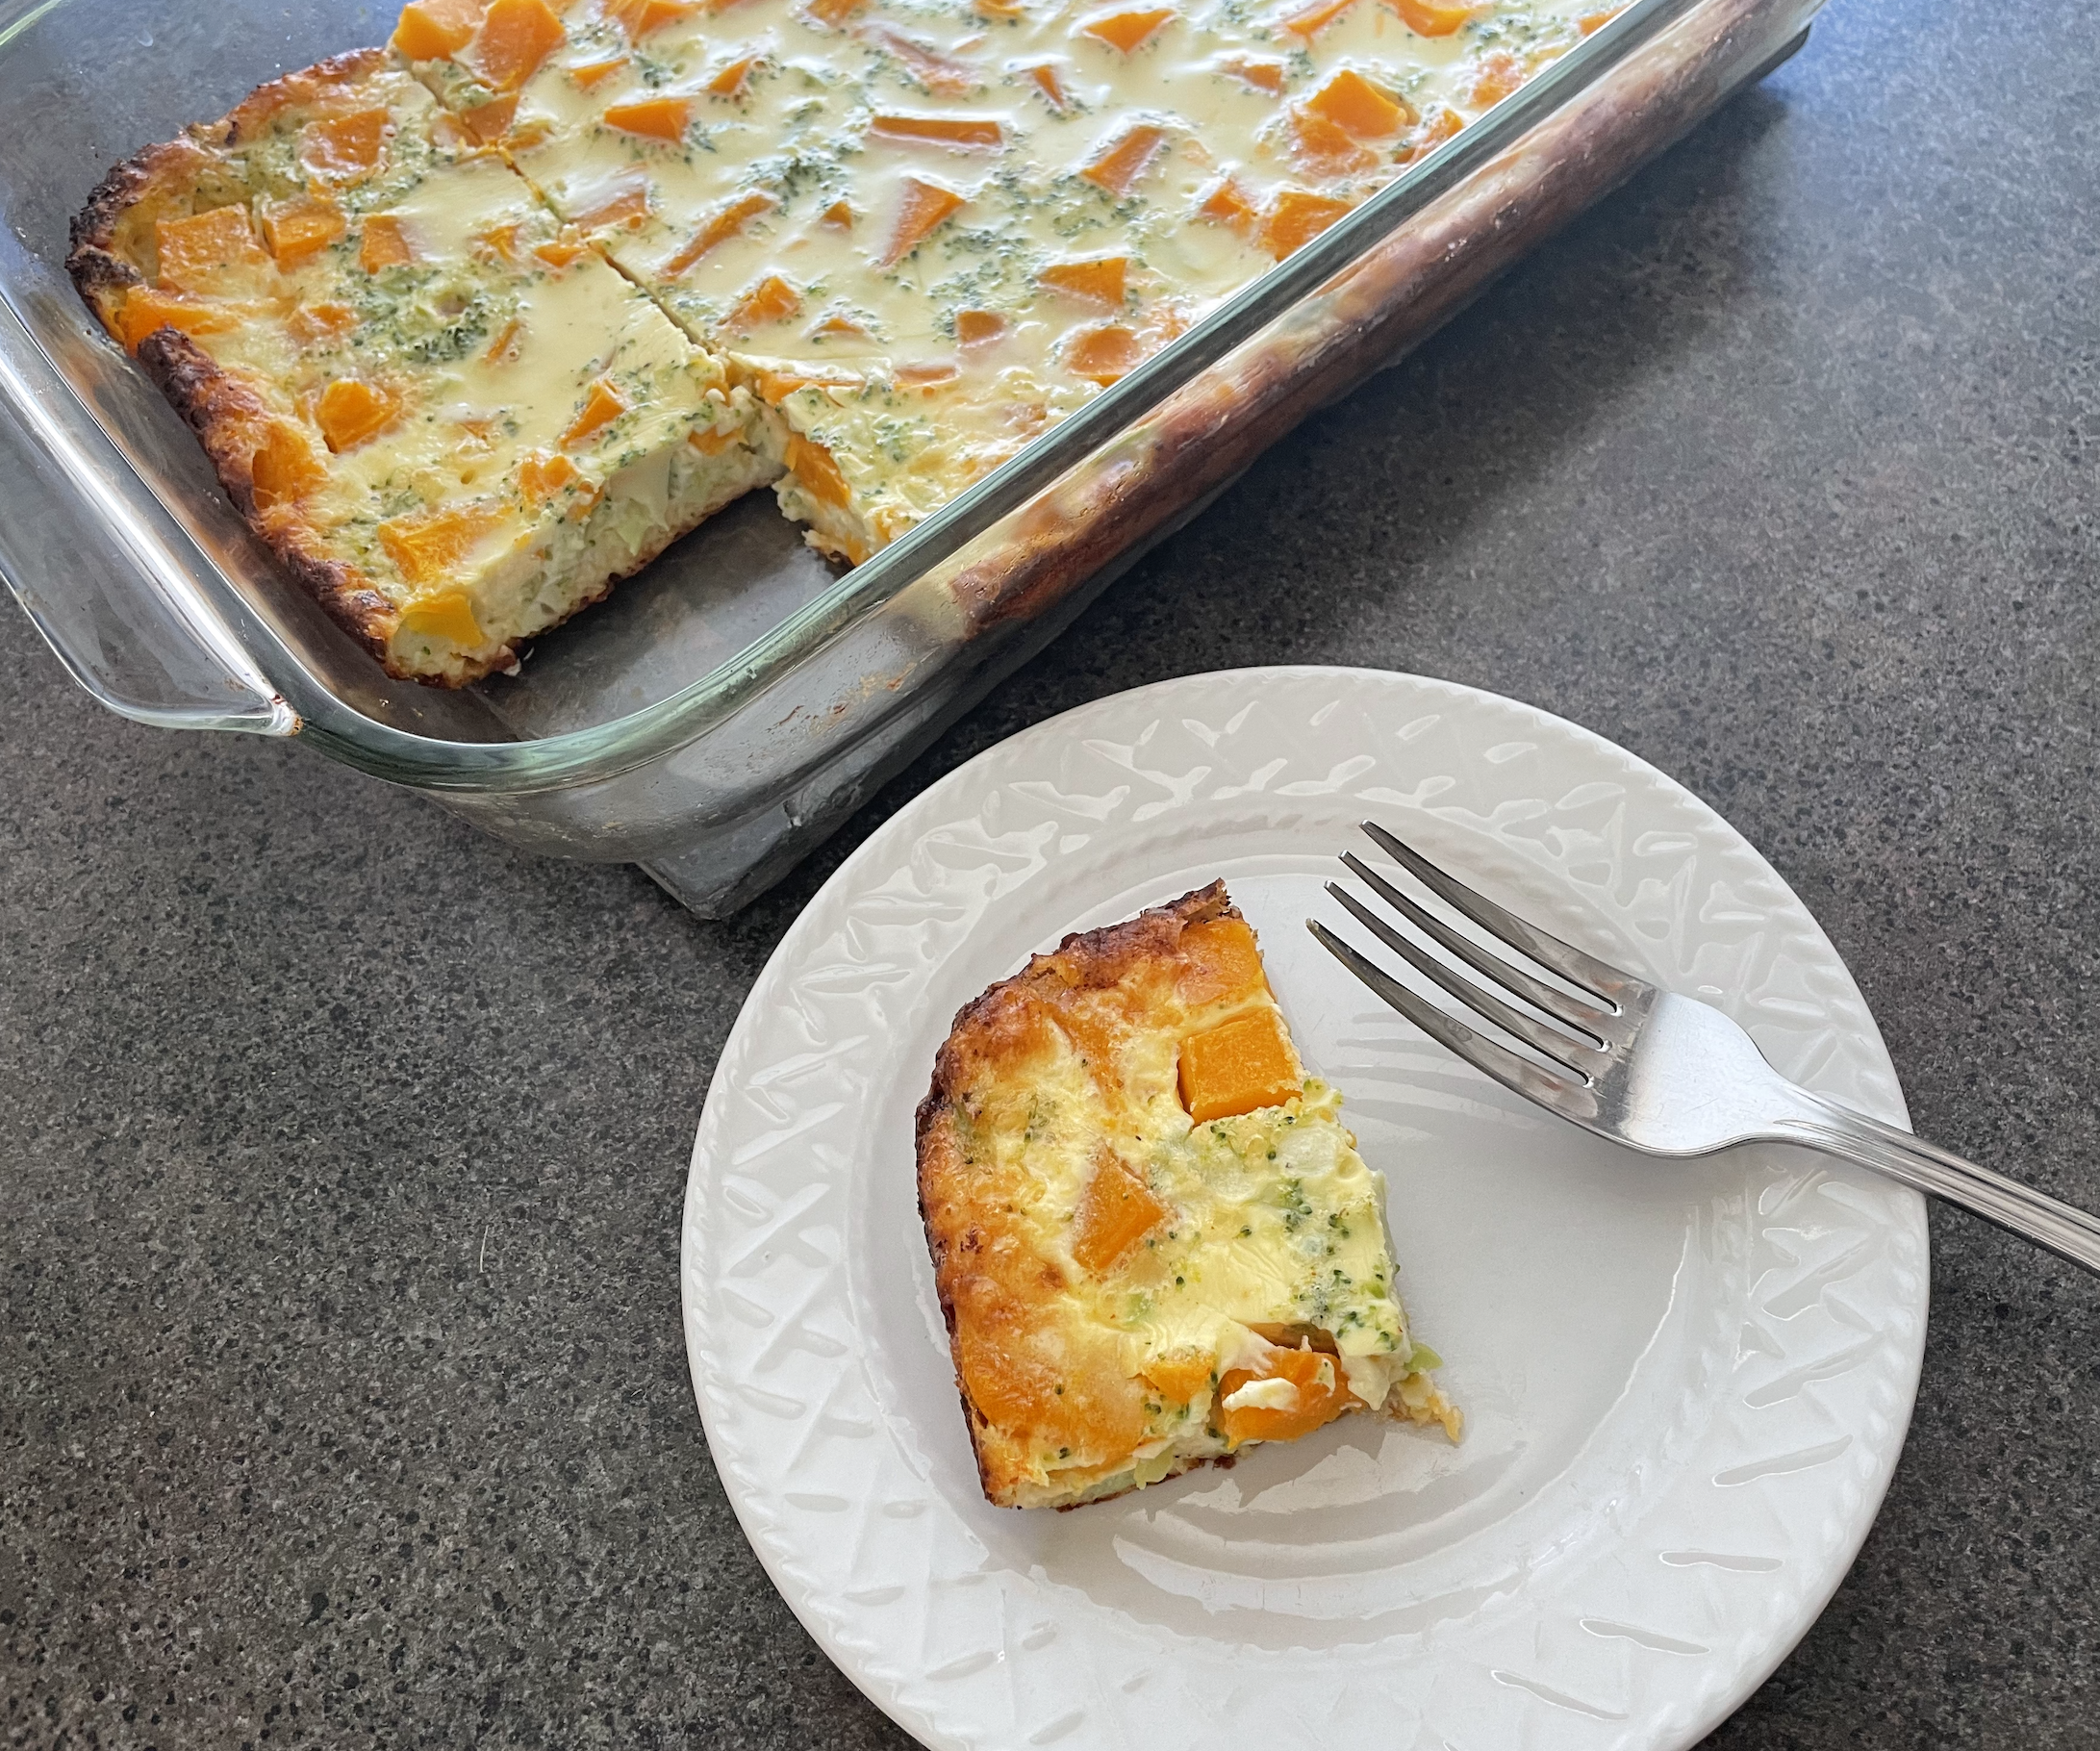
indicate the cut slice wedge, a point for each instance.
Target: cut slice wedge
{"x":1154,"y":1239}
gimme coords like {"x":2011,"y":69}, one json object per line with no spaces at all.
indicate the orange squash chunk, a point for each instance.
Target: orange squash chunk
{"x":489,"y":123}
{"x":1500,"y":73}
{"x":516,"y":37}
{"x":658,"y":117}
{"x":383,"y":244}
{"x":974,"y":327}
{"x":146,"y":311}
{"x":1323,"y":1395}
{"x":772,"y":300}
{"x":725,"y":224}
{"x":196,"y":251}
{"x":427,"y":545}
{"x":1309,"y":21}
{"x":563,"y":251}
{"x":351,"y":411}
{"x":1047,"y":78}
{"x":1227,"y":204}
{"x":627,"y":207}
{"x":431,"y":29}
{"x":1219,"y":961}
{"x":733,"y":78}
{"x":834,"y":13}
{"x":594,"y":73}
{"x":1179,"y":1377}
{"x":1102,"y":280}
{"x":1085,"y":1405}
{"x":776,"y":386}
{"x":928,"y":374}
{"x":839,"y":216}
{"x":539,"y":476}
{"x":839,"y":328}
{"x":1357,"y":107}
{"x":712,"y":443}
{"x":1119,"y":165}
{"x":1256,"y":70}
{"x":1126,"y":31}
{"x":302,"y":228}
{"x":1589,"y":23}
{"x":967,"y":133}
{"x":342,"y":148}
{"x":1232,"y":1069}
{"x":603,"y":405}
{"x":1295,"y":217}
{"x":503,"y":350}
{"x":1441,"y":125}
{"x":936,"y":71}
{"x":1325,"y":146}
{"x":1431,"y":17}
{"x":284,"y":468}
{"x":448,"y":614}
{"x":925,"y":206}
{"x":812,"y":465}
{"x":1116,"y":1211}
{"x":640,"y":18}
{"x":1106,"y":354}
{"x":321,"y":322}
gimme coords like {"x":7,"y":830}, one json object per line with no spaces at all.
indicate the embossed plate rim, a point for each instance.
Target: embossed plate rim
{"x":988,"y":1697}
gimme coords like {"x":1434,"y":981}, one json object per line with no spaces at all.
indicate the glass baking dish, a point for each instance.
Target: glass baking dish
{"x":728,"y":708}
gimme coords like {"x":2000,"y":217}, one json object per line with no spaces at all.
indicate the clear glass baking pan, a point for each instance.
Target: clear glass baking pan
{"x":725,"y":709}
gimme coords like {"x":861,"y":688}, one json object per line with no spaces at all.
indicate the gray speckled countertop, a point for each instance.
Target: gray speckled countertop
{"x":342,"y":1399}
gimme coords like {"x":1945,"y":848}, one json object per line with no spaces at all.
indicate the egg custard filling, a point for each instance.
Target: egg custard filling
{"x":451,"y":418}
{"x":475,"y":324}
{"x":1154,"y":1239}
{"x":923,"y":230}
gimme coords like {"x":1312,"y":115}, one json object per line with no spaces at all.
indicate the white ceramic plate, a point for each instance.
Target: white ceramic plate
{"x":1686,"y":1384}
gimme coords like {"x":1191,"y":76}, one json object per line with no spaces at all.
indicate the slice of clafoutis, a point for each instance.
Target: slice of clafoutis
{"x":1155,"y":1241}
{"x":448,"y":416}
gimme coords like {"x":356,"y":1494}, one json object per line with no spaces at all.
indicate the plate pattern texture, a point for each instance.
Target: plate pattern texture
{"x":1629,"y":1593}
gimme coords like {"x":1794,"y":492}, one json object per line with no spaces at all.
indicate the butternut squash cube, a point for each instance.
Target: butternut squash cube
{"x":1233,"y":1068}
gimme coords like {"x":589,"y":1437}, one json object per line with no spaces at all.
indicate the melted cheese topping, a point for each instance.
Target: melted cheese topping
{"x":924,"y":230}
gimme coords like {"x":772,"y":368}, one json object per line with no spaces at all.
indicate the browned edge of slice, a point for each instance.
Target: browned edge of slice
{"x":999,"y":1017}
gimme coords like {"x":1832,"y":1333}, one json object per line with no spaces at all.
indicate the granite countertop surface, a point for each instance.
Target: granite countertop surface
{"x":342,"y":1395}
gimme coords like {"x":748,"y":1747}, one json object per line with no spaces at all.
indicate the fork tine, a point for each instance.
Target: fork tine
{"x":1554,"y":1001}
{"x":1560,"y":1048}
{"x":1558,"y":1091}
{"x":1600,"y":979}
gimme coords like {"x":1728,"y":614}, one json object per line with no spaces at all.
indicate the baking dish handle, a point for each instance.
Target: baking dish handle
{"x":101,"y":574}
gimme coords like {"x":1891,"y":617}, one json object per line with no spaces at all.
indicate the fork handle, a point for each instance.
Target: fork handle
{"x":2064,"y":1230}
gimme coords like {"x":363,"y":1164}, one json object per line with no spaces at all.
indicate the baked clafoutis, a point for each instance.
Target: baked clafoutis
{"x":476,"y":323}
{"x":1153,"y":1240}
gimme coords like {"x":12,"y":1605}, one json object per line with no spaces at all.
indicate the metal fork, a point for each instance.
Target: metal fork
{"x":1662,"y":1074}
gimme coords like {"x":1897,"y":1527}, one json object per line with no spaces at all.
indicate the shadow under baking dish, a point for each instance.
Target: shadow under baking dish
{"x":1579,"y":1294}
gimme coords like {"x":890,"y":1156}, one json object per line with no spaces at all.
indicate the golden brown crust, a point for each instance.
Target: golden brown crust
{"x":111,"y":240}
{"x":113,"y":251}
{"x":976,"y":1260}
{"x":231,"y":422}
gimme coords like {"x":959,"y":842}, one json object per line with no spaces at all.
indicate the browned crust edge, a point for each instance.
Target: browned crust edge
{"x":1084,"y":958}
{"x":226,"y":415}
{"x":223,"y":410}
{"x":92,"y":259}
